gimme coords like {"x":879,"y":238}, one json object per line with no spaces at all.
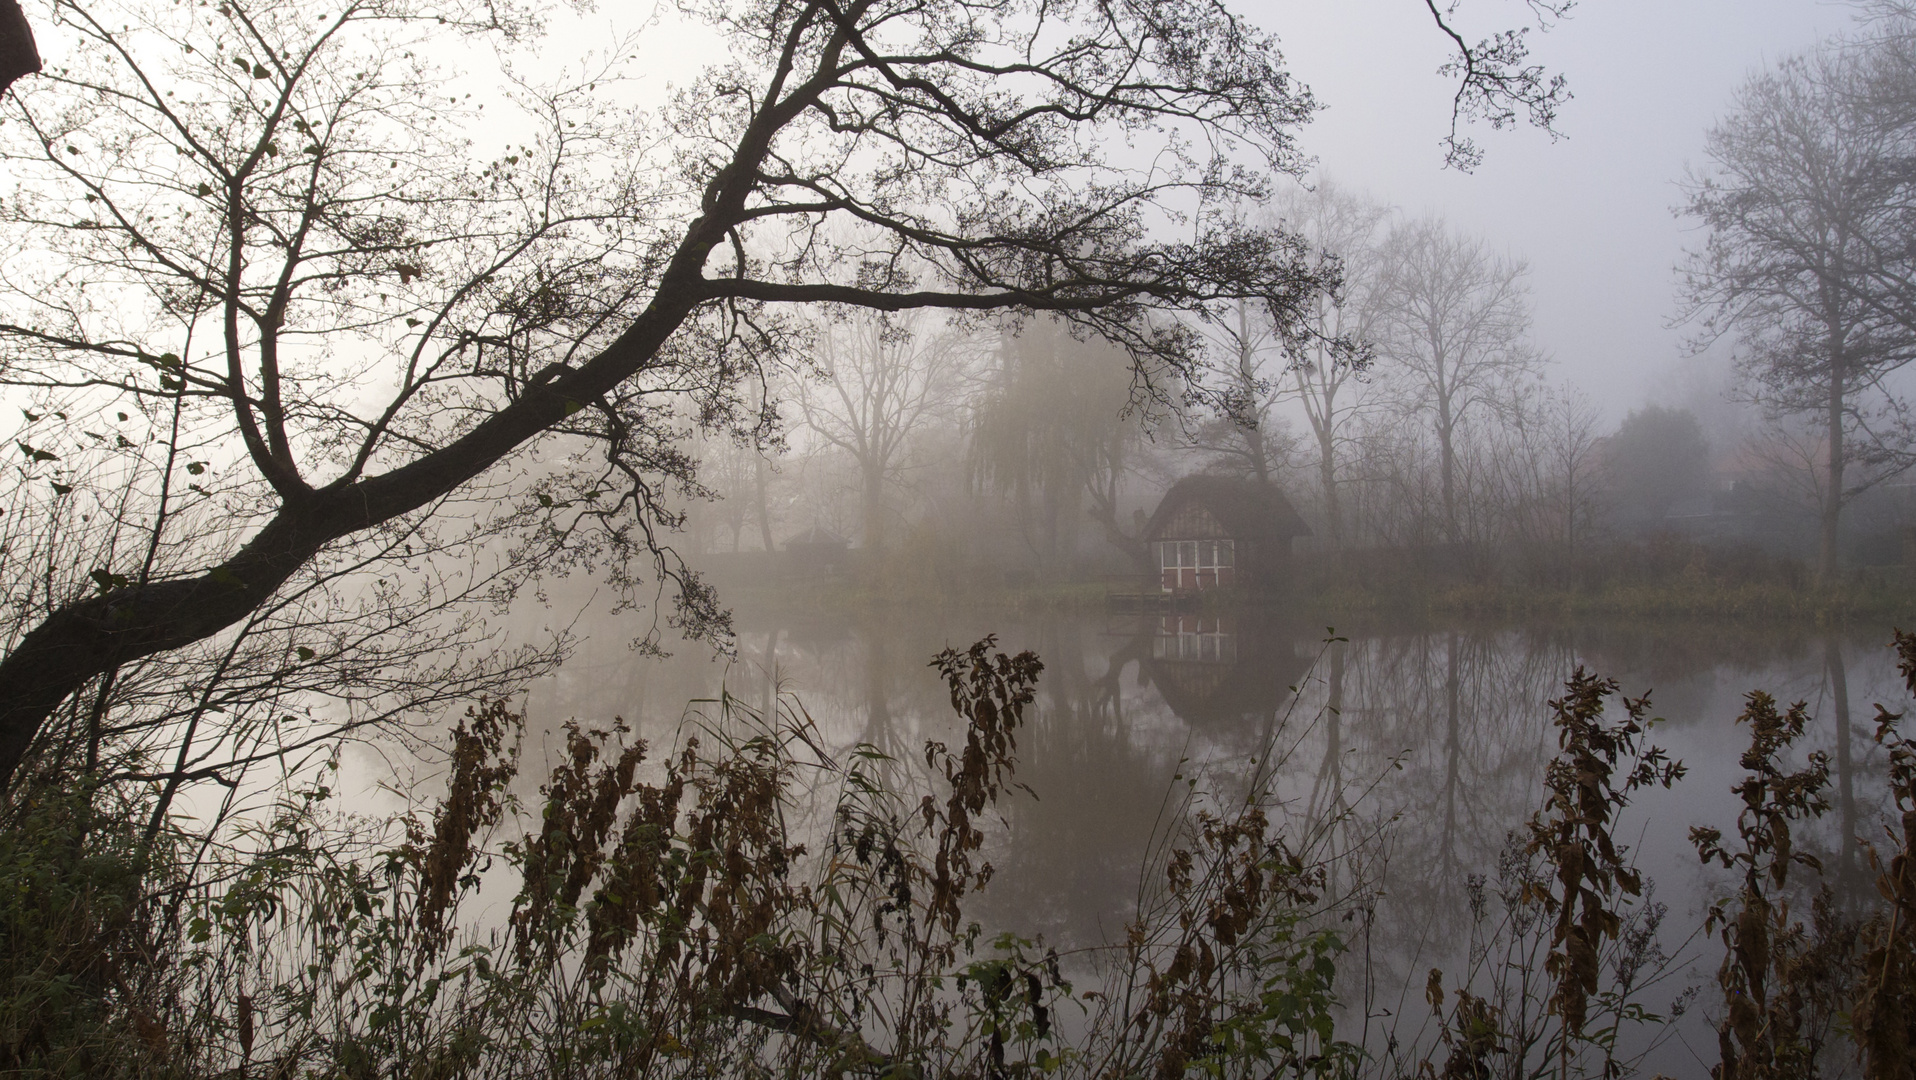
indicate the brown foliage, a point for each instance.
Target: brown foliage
{"x":1573,"y":833}
{"x":1778,"y":977}
{"x":1885,"y":1013}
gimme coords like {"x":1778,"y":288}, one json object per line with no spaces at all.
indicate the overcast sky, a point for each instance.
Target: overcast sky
{"x":1590,"y":212}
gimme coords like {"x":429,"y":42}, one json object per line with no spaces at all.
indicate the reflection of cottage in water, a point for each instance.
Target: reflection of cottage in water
{"x":1217,"y":669}
{"x":1221,"y":531}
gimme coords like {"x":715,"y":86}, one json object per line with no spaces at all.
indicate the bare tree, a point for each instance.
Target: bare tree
{"x":270,"y":209}
{"x":1545,"y":465}
{"x":1330,"y":364}
{"x":1245,"y":377}
{"x":881,"y":378}
{"x":1259,"y":363}
{"x":1454,"y":319}
{"x":1793,"y":265}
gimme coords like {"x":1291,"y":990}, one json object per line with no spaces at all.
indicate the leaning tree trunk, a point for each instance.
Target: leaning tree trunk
{"x":86,"y":638}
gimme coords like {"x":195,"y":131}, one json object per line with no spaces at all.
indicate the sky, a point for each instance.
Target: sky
{"x":1591,"y":212}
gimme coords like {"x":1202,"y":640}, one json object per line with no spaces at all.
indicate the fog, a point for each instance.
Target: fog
{"x":1588,"y":216}
{"x":662,"y":415}
{"x":1592,"y":211}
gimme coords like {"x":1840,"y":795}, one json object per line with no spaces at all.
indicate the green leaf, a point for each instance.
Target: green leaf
{"x":544,"y":500}
{"x":36,"y":455}
{"x":31,"y":417}
{"x":196,"y":467}
{"x":260,"y":72}
{"x":108,"y":581}
{"x":204,"y":189}
{"x":61,"y":489}
{"x":305,"y":653}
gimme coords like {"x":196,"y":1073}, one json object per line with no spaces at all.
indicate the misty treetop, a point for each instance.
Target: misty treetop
{"x":1805,"y":264}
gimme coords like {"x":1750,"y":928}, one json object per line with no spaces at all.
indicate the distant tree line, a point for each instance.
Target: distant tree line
{"x":1409,"y":406}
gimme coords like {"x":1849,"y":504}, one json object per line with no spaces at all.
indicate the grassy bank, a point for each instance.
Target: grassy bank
{"x":1416,"y":599}
{"x":1677,"y":599}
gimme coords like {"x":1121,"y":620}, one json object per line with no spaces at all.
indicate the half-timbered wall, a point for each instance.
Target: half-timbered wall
{"x":1196,"y":564}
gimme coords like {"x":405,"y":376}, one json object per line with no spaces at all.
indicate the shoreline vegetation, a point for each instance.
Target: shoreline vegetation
{"x":1662,"y":577}
{"x":745,"y":903}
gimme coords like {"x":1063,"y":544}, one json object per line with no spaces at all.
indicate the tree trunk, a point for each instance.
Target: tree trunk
{"x":88,"y":637}
{"x":1826,"y":561}
{"x":764,"y":515}
{"x":874,"y":511}
{"x":1327,"y":476}
{"x":1105,"y":514}
{"x":1246,"y":367}
{"x":18,"y":56}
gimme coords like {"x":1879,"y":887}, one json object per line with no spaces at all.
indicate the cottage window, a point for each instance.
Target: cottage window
{"x":1196,"y":554}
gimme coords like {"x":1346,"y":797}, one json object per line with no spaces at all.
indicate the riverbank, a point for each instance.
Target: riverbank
{"x":1875,"y":597}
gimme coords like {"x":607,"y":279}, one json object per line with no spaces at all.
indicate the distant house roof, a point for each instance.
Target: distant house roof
{"x":816,"y":537}
{"x":1244,"y":507}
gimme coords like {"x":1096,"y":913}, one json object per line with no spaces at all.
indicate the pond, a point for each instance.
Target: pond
{"x":1426,"y":744}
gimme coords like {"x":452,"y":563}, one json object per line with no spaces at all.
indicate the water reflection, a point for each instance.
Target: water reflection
{"x":1217,"y":671}
{"x":1436,"y":737}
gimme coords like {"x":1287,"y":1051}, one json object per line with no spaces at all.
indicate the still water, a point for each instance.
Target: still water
{"x":1430,"y":740}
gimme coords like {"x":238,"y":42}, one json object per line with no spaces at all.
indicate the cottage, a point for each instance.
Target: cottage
{"x":818,"y":550}
{"x":1222,"y":531}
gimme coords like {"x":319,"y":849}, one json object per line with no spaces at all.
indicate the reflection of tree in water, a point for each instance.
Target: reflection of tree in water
{"x":1466,"y":711}
{"x":1123,"y":702}
{"x":1700,"y":676}
{"x":1846,"y":868}
{"x":1100,"y":762}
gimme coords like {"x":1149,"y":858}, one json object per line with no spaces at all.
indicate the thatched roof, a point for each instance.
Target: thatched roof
{"x":1245,"y":508}
{"x":816,"y":538}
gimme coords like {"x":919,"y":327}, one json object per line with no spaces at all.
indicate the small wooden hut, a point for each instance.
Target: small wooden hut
{"x":818,"y":550}
{"x":1214,"y":532}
